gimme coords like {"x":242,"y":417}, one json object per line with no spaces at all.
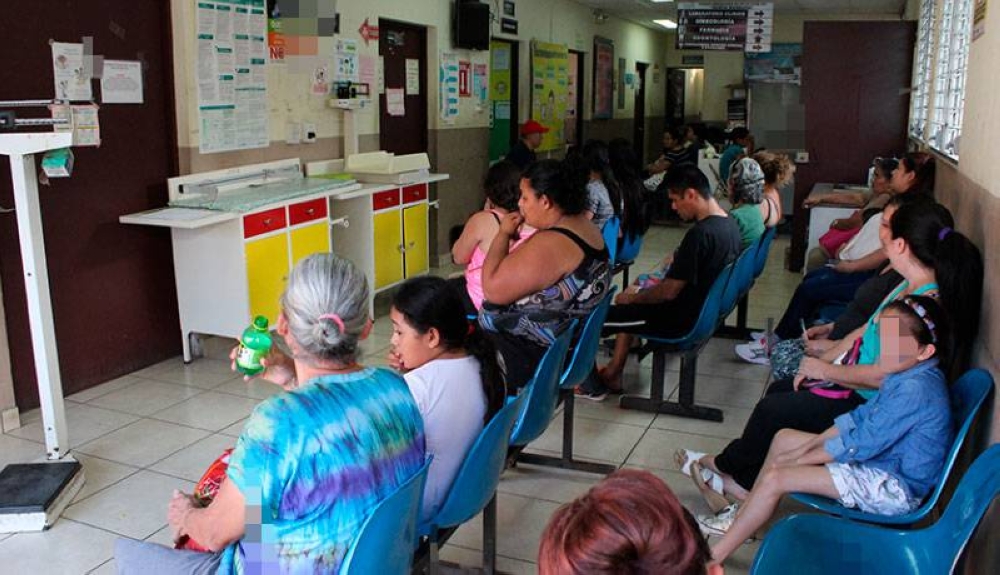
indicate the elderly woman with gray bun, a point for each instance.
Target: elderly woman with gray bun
{"x":312,"y":462}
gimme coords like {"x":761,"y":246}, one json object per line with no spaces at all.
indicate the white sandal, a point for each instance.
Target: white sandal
{"x":685,"y":457}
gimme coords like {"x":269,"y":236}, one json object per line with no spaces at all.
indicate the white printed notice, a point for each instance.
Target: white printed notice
{"x":231,"y":74}
{"x":395,"y":102}
{"x":121,"y":82}
{"x":72,"y":74}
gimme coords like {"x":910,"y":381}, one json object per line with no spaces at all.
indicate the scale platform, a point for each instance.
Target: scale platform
{"x":33,"y":495}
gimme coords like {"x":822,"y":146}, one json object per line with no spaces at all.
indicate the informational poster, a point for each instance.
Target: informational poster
{"x":604,"y":78}
{"x":121,"y":82}
{"x":232,"y":52}
{"x":395,"y":102}
{"x":549,"y":87}
{"x":366,"y":71}
{"x":72,"y":75}
{"x":479,"y":85}
{"x":782,"y":65}
{"x":412,"y":77}
{"x":321,"y":81}
{"x":346,"y":61}
{"x":747,"y":28}
{"x":621,"y":83}
{"x":82,"y":120}
{"x":448,"y":91}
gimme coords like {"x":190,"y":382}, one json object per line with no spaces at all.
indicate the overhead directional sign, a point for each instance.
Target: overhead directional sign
{"x":746,"y":27}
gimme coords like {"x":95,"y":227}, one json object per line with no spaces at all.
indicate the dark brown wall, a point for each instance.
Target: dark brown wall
{"x":855,"y":87}
{"x":112,"y":285}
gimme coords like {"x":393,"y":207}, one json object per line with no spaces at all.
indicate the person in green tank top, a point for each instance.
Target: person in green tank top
{"x":746,"y":191}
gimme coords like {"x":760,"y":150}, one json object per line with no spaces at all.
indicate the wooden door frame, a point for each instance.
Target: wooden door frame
{"x":515,"y":75}
{"x":639,"y":111}
{"x":580,"y":70}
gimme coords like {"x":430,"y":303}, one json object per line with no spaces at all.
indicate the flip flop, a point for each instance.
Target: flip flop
{"x":684,"y":457}
{"x":710,"y":486}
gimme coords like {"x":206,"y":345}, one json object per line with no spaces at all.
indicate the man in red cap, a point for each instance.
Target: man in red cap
{"x":523,"y":152}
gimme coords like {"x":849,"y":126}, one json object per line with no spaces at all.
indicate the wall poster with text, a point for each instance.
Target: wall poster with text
{"x":604,"y":78}
{"x":549,"y":87}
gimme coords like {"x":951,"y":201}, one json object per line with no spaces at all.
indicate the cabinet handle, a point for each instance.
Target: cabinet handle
{"x":402,"y":249}
{"x":412,"y":244}
{"x":310,"y":211}
{"x":436,"y":204}
{"x":267,"y":222}
{"x":341,"y":222}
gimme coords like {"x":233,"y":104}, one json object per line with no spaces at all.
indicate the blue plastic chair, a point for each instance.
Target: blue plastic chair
{"x":763,"y":250}
{"x":825,"y":545}
{"x":610,"y":233}
{"x":542,"y":392}
{"x":740,"y":282}
{"x":968,"y":395}
{"x":630,"y":248}
{"x":384,"y":543}
{"x":581,"y":363}
{"x":689,"y":346}
{"x":473,"y":490}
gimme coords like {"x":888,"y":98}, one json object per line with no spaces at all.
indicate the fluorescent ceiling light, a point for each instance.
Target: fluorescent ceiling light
{"x":666,"y":23}
{"x":660,"y":1}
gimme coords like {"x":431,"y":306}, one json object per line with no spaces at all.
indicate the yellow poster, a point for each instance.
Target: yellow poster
{"x":549,"y":90}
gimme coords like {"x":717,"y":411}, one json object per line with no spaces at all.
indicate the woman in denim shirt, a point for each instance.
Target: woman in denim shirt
{"x":883,"y":457}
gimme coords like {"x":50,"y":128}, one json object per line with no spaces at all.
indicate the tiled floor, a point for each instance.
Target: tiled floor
{"x":143,"y":435}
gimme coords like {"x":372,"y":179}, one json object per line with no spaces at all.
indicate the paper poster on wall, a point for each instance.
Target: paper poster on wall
{"x":395,"y":102}
{"x":621,"y":83}
{"x":604,"y":65}
{"x":501,"y":110}
{"x":321,"y":81}
{"x":345,"y":55}
{"x":448,"y":91}
{"x":412,"y":77}
{"x":232,"y":47}
{"x":121,"y":82}
{"x":366,"y":71}
{"x":82,"y":120}
{"x":72,"y":80}
{"x":479,"y":85}
{"x":549,"y":86}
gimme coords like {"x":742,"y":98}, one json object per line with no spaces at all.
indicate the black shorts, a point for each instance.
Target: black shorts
{"x":666,"y":320}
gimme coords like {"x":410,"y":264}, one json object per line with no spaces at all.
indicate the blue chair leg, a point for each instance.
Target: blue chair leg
{"x":566,"y":461}
{"x":685,"y":407}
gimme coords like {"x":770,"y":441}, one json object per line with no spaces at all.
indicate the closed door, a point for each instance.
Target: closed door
{"x":310,"y":239}
{"x":855,"y":89}
{"x":639,"y":121}
{"x":403,"y":48}
{"x":267,"y":271}
{"x":388,"y":232}
{"x":415,"y":238}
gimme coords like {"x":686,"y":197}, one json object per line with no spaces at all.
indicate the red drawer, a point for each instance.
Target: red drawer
{"x":383,"y":200}
{"x":263,"y":222}
{"x":414,"y":193}
{"x":307,"y":211}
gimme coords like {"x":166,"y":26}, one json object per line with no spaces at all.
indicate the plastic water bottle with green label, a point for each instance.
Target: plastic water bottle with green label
{"x":255,"y":344}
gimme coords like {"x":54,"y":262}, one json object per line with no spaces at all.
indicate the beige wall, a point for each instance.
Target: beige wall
{"x":978,"y":156}
{"x":725,"y":69}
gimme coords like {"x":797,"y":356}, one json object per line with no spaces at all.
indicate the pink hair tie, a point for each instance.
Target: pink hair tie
{"x":335,"y":319}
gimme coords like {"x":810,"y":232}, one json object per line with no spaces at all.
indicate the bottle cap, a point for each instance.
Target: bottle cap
{"x":260,"y":323}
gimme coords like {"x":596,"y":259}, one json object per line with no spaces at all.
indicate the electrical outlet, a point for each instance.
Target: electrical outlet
{"x":801,"y":157}
{"x":308,"y":133}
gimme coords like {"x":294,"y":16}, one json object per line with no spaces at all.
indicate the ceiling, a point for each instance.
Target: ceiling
{"x":644,"y":11}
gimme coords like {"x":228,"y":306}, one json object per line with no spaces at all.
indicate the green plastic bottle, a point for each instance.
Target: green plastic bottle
{"x":255,"y":344}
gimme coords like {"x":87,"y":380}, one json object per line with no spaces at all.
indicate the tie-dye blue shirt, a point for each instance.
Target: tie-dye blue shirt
{"x":313,"y":463}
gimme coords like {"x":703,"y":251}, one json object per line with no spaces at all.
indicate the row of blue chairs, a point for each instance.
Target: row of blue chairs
{"x":732,"y":285}
{"x":392,"y":540}
{"x":849,"y":540}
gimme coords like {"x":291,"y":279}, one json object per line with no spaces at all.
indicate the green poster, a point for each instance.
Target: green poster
{"x":549,"y":90}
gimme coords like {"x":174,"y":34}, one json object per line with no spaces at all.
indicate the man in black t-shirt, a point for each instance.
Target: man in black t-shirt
{"x":671,"y":307}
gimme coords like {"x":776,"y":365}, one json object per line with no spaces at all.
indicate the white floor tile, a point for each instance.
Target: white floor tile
{"x":520,"y":522}
{"x":235,"y":429}
{"x":192,"y":461}
{"x":146,"y":397}
{"x":204,"y":373}
{"x":255,"y":388}
{"x":100,"y":473}
{"x":105,"y":388}
{"x":469,"y":560}
{"x":657,"y":447}
{"x":17,"y":450}
{"x":734,"y":418}
{"x":83,"y":423}
{"x":210,"y":410}
{"x":66,"y":548}
{"x":142,"y":443}
{"x":592,"y":439}
{"x":547,"y":483}
{"x":135,"y":507}
{"x":106,"y":568}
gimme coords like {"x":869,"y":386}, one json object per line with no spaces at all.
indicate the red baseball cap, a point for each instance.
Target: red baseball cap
{"x":533,"y":127}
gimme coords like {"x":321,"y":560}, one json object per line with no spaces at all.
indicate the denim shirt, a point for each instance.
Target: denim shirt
{"x":906,"y":430}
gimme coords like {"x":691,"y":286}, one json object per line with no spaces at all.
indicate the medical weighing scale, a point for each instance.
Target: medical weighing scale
{"x":33,"y":495}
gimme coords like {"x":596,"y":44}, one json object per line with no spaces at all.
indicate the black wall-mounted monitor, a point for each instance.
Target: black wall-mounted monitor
{"x":472,"y":25}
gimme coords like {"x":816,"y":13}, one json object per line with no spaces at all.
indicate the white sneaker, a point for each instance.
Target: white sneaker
{"x":757,"y":335}
{"x":720,"y":523}
{"x":753,"y":353}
